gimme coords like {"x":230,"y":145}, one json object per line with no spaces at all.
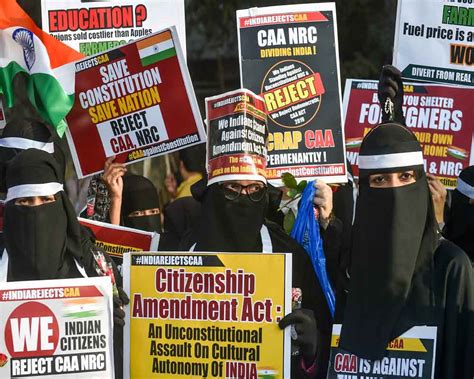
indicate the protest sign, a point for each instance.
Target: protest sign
{"x":289,"y":56}
{"x":56,"y":328}
{"x":412,"y":355}
{"x":134,"y":102}
{"x":117,"y":240}
{"x":207,"y":315}
{"x":434,"y":41}
{"x":440,"y":116}
{"x":94,"y":27}
{"x":237,"y":131}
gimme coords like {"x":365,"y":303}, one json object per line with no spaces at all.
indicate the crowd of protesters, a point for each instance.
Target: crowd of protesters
{"x":399,"y":253}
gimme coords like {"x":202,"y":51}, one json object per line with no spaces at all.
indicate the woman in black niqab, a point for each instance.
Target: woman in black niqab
{"x":139,"y":194}
{"x":44,"y":241}
{"x":402,"y":275}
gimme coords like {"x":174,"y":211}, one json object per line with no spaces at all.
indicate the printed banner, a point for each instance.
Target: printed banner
{"x":117,"y":240}
{"x":440,"y":116}
{"x":412,"y":355}
{"x":56,"y":329}
{"x":207,"y":315}
{"x":94,"y":27}
{"x":237,"y":131}
{"x":434,"y":41}
{"x":289,"y":56}
{"x":134,"y":102}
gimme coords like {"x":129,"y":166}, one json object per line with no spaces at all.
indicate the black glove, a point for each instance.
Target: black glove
{"x":305,"y":326}
{"x":119,"y":301}
{"x":123,"y":296}
{"x":390,"y":91}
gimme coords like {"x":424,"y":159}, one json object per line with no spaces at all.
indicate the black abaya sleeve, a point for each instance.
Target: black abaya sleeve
{"x":305,"y":278}
{"x":454,"y":298}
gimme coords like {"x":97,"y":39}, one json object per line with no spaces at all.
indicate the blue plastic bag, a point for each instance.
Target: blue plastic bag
{"x":306,"y":232}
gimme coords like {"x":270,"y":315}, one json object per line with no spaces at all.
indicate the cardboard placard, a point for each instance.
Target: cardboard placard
{"x":434,"y":41}
{"x":289,"y":56}
{"x":134,"y":102}
{"x":440,"y":116}
{"x":117,"y":240}
{"x":207,"y":315}
{"x":412,"y":355}
{"x":94,"y":27}
{"x":237,"y":131}
{"x":56,"y":328}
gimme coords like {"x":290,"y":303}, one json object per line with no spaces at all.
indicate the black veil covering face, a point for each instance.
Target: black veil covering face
{"x":140,"y":194}
{"x":393,"y":243}
{"x":228,"y":225}
{"x":42,"y":241}
{"x":460,"y":223}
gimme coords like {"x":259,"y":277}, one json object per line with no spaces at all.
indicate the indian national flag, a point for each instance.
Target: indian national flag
{"x":156,"y":48}
{"x":26,"y":48}
{"x":457,"y":152}
{"x":267,"y":373}
{"x":352,"y":143}
{"x":81,"y":307}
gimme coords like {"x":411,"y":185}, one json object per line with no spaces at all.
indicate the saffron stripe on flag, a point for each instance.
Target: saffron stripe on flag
{"x":153,"y":40}
{"x":158,"y":57}
{"x":155,"y":49}
{"x":48,"y":63}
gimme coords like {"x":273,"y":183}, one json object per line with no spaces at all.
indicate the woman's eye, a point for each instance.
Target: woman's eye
{"x":254,"y":188}
{"x":406,"y":176}
{"x":233,"y":187}
{"x":379,"y":179}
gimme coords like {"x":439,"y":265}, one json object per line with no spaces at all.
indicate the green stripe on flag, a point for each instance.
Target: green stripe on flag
{"x":158,"y":57}
{"x":7,"y":74}
{"x":49,"y":97}
{"x":44,"y":92}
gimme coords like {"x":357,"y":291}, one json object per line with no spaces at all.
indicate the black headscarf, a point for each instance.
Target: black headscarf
{"x":460,"y":223}
{"x":23,"y":133}
{"x":227,"y":225}
{"x":139,"y":194}
{"x":393,"y":242}
{"x":42,"y":241}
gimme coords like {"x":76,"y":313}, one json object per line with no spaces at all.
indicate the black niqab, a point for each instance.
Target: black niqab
{"x":393,"y":242}
{"x":228,"y":225}
{"x":43,"y":241}
{"x":139,"y":194}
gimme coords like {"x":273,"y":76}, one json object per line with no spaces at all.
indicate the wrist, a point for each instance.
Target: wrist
{"x":115,"y":196}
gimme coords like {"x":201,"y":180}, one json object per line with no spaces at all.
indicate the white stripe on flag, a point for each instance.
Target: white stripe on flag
{"x":156,"y":48}
{"x":65,"y":75}
{"x":368,"y":162}
{"x":465,"y":188}
{"x":11,"y":51}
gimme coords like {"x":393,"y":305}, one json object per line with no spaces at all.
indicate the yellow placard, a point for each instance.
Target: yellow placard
{"x":207,"y":315}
